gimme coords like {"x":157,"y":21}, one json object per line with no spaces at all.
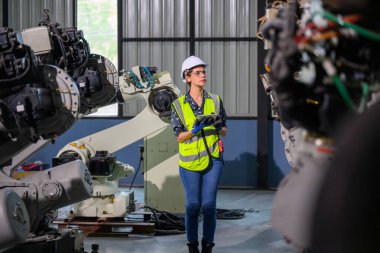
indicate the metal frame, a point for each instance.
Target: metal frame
{"x":119,"y":47}
{"x":75,"y":13}
{"x":5,"y":13}
{"x":190,"y":39}
{"x":263,"y":114}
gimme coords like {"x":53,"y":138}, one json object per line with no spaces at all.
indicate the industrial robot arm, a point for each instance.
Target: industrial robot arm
{"x":324,"y":68}
{"x":91,"y":78}
{"x":38,"y":102}
{"x":158,"y":91}
{"x":48,"y":80}
{"x":65,"y":47}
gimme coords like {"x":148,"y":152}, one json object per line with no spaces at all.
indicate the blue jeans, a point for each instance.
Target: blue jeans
{"x":200,"y":193}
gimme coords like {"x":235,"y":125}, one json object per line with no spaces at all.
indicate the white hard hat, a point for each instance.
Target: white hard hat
{"x":190,"y":63}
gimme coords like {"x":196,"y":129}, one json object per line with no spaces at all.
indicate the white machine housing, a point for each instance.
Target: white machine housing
{"x":107,"y":201}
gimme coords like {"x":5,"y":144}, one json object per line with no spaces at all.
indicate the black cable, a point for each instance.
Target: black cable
{"x":156,"y":221}
{"x":170,"y":219}
{"x":138,"y":168}
{"x":231,"y":214}
{"x":48,"y":218}
{"x":167,"y":223}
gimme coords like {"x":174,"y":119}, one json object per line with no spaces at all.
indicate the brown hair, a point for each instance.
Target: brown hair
{"x":188,"y":74}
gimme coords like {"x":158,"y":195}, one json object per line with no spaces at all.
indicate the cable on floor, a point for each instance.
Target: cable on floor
{"x":166,"y":223}
{"x":231,"y":214}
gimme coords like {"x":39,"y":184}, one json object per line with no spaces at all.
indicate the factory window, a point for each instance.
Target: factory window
{"x":98,"y":21}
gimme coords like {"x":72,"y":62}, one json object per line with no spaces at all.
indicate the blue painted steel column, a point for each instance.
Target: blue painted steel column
{"x":263,"y":110}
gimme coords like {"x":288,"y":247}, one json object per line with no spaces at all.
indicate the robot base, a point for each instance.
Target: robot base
{"x":105,"y":206}
{"x":65,"y":241}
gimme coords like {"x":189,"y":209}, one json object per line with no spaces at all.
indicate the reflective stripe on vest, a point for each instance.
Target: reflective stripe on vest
{"x":193,"y":153}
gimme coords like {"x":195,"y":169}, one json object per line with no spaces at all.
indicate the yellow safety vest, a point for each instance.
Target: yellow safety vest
{"x":193,"y":153}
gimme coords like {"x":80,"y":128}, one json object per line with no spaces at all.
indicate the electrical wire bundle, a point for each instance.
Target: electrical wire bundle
{"x":71,"y":49}
{"x":321,"y":68}
{"x":232,"y":214}
{"x":48,"y":218}
{"x":166,"y":223}
{"x":337,"y":64}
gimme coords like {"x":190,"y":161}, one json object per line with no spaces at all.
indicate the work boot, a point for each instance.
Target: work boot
{"x":207,"y":247}
{"x":193,"y":247}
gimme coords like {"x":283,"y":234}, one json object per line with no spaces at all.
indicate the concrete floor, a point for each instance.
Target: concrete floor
{"x":251,"y":234}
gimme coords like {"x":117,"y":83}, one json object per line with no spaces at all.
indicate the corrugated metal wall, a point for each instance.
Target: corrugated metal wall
{"x":232,"y":72}
{"x":28,"y":13}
